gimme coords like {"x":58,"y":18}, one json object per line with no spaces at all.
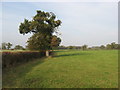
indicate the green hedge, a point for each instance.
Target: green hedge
{"x":13,"y":58}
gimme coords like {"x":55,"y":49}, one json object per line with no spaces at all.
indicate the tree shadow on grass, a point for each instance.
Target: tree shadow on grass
{"x":72,"y":54}
{"x":60,"y":51}
{"x":13,"y":74}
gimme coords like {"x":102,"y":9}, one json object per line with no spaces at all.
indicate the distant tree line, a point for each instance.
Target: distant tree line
{"x":85,"y":47}
{"x":8,"y":46}
{"x":55,"y":45}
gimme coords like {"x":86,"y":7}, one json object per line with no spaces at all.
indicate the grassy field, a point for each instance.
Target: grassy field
{"x":68,"y":69}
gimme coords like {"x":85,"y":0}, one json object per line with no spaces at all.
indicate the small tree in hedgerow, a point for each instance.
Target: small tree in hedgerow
{"x":9,"y":45}
{"x":43,"y":25}
{"x":4,"y":46}
{"x":18,"y":47}
{"x":84,"y":47}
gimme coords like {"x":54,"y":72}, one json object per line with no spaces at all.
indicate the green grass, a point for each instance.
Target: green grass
{"x":68,"y":69}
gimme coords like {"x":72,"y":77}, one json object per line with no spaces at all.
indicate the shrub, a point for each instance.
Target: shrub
{"x":13,"y":58}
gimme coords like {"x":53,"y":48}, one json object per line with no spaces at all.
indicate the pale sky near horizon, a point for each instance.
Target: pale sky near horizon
{"x":91,"y":23}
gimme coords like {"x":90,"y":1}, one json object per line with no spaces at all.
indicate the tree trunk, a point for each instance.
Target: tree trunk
{"x":47,"y":53}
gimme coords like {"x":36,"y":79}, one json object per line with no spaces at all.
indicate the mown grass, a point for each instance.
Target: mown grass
{"x":68,"y":69}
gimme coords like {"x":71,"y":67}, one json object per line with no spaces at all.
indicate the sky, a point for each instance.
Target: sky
{"x":60,"y":0}
{"x":91,"y":23}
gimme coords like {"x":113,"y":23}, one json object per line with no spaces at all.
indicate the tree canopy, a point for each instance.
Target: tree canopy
{"x":42,"y":22}
{"x":42,"y":25}
{"x":6,"y":45}
{"x":18,"y":47}
{"x":84,"y":47}
{"x":55,"y":41}
{"x":39,"y":42}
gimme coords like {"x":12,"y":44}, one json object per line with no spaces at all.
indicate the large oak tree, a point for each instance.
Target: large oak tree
{"x":43,"y":25}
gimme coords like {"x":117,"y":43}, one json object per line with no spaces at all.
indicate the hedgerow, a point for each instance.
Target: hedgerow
{"x":14,"y":58}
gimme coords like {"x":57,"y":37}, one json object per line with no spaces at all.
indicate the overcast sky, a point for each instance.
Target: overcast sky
{"x":91,"y":23}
